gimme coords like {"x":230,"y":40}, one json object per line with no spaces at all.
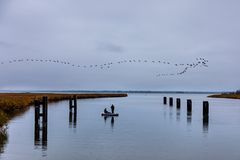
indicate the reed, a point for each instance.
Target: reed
{"x":12,"y":103}
{"x":230,"y":96}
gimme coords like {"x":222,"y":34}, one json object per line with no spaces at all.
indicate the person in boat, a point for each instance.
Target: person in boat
{"x":105,"y":110}
{"x":112,"y":108}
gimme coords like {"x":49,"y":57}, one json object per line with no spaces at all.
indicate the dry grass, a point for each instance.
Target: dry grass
{"x":11,"y":103}
{"x":230,"y":96}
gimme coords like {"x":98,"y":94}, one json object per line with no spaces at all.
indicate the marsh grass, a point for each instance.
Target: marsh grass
{"x":14,"y":103}
{"x":230,"y":96}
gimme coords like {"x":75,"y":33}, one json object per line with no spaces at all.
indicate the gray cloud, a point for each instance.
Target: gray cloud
{"x":89,"y":32}
{"x":5,"y":44}
{"x":110,"y":47}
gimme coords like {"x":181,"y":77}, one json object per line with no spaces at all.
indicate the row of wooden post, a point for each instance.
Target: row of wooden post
{"x":41,"y":118}
{"x":189,"y":105}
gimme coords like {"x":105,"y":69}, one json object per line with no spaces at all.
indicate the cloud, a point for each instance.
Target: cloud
{"x":95,"y":32}
{"x":3,"y":43}
{"x":110,"y":47}
{"x":6,"y":44}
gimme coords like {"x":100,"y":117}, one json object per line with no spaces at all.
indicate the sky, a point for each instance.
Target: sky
{"x":93,"y":32}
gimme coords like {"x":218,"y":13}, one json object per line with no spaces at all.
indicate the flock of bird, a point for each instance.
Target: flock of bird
{"x":108,"y":65}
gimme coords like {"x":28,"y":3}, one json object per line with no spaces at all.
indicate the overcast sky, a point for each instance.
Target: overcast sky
{"x":97,"y":32}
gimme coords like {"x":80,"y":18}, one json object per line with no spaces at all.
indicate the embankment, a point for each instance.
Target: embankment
{"x":230,"y":96}
{"x":14,"y":103}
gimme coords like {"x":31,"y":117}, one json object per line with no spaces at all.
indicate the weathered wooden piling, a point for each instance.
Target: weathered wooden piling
{"x":41,"y":125}
{"x":70,"y":117}
{"x":36,"y":133}
{"x":73,"y":110}
{"x":44,"y":109}
{"x":164,"y":100}
{"x":37,"y":111}
{"x":170,"y":101}
{"x":73,"y":104}
{"x":178,"y":103}
{"x":44,"y":134}
{"x":75,"y":118}
{"x":189,"y":106}
{"x":205,"y":109}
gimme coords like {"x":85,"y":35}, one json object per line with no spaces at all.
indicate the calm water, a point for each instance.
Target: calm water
{"x":145,"y":129}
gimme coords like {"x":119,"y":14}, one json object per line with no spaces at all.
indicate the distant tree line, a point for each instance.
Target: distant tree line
{"x":238,"y":91}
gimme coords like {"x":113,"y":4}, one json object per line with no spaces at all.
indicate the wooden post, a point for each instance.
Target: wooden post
{"x":44,"y":133}
{"x":45,"y":119}
{"x":165,"y":100}
{"x":70,"y":104}
{"x":37,"y":111}
{"x":70,"y":117}
{"x":75,"y":104}
{"x":36,"y":133}
{"x":189,"y":106}
{"x":75,"y":118}
{"x":45,"y":109}
{"x":205,"y":109}
{"x":170,"y":101}
{"x":178,"y":102}
{"x":38,"y":128}
{"x":73,"y":110}
{"x":36,"y":125}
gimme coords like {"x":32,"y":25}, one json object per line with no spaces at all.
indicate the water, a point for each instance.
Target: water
{"x":145,"y":129}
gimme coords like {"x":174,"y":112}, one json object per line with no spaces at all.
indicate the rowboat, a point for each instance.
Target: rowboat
{"x":110,"y":114}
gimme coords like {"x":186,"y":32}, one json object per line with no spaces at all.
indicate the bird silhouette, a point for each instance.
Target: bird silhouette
{"x":200,"y":62}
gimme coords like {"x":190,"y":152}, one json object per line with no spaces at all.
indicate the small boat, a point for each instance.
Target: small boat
{"x":110,"y":114}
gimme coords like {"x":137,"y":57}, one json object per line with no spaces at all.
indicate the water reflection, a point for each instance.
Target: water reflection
{"x":165,"y":115}
{"x":105,"y":119}
{"x":3,"y":138}
{"x":189,"y":118}
{"x":205,"y":124}
{"x":40,"y":135}
{"x":72,"y":119}
{"x":171,"y":113}
{"x":112,"y":120}
{"x":178,"y":114}
{"x":145,"y":123}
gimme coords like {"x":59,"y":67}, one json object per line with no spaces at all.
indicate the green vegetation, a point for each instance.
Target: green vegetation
{"x":225,"y":95}
{"x":14,"y":103}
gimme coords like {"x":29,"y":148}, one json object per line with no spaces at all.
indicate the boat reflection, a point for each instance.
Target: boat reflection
{"x":112,"y":120}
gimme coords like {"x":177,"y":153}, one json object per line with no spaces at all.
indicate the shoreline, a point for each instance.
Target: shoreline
{"x":227,"y":96}
{"x":14,"y":103}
